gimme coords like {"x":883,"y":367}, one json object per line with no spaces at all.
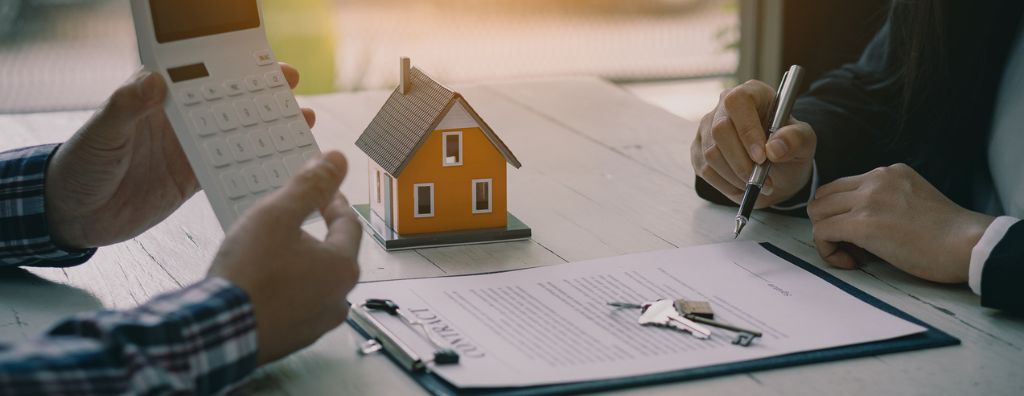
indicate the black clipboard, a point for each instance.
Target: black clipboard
{"x":932,"y":338}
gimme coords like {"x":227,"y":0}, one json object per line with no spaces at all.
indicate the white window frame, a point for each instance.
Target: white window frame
{"x":416,"y":200}
{"x":490,"y":195}
{"x":444,"y":149}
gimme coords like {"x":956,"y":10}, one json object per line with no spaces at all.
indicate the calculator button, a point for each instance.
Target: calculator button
{"x":234,"y":185}
{"x":226,"y":117}
{"x":212,"y":92}
{"x":241,"y":148}
{"x":294,"y":163}
{"x":254,"y":83}
{"x":309,"y":156}
{"x":218,"y":153}
{"x":190,"y":96}
{"x":255,"y":178}
{"x":275,"y":79}
{"x":268,"y":108}
{"x":261,"y":143}
{"x":277,"y":174}
{"x":282,"y":138}
{"x":301,"y":134}
{"x":263,"y":57}
{"x":289,"y":108}
{"x":205,"y":125}
{"x":247,"y":113}
{"x":234,"y":87}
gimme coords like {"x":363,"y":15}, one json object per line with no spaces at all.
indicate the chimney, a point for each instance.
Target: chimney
{"x":405,"y":76}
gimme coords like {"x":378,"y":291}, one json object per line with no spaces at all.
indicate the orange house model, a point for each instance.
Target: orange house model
{"x":435,"y":165}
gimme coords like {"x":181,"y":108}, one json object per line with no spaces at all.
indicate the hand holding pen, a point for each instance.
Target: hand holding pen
{"x":778,"y":116}
{"x":732,"y":140}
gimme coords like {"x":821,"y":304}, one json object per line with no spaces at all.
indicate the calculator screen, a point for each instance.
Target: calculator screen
{"x":176,"y":20}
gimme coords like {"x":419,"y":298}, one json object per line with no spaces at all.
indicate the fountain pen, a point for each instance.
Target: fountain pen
{"x":775,"y":120}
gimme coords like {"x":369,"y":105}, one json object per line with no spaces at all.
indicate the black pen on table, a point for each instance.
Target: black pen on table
{"x":776,"y":119}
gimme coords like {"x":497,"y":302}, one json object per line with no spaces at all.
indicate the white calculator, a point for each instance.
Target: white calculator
{"x":229,"y":103}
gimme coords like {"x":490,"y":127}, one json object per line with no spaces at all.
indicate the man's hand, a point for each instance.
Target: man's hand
{"x":731,"y":140}
{"x":895,"y":214}
{"x":297,"y":284}
{"x":124,"y":171}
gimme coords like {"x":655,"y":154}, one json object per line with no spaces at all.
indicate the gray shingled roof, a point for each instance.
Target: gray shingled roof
{"x":405,"y":122}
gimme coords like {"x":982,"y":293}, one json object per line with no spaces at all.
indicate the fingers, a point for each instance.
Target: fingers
{"x":705,"y":171}
{"x":845,"y":184}
{"x":731,"y":140}
{"x":291,"y":74}
{"x":310,"y":116}
{"x":836,"y":256}
{"x":344,"y":232}
{"x":769,"y":186}
{"x":793,"y":143}
{"x":716,"y":161}
{"x":310,"y":190}
{"x":831,"y":205}
{"x":720,"y":184}
{"x":829,"y":234}
{"x":737,"y":166}
{"x":136,"y":98}
{"x":745,"y":105}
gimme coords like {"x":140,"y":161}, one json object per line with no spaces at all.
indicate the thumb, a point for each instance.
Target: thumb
{"x":145,"y":91}
{"x":793,"y":143}
{"x":312,"y":189}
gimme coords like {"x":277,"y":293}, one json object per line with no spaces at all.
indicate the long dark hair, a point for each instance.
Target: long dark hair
{"x":947,"y":57}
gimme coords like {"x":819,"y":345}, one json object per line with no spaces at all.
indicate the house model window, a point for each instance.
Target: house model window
{"x":452,"y":148}
{"x":423,"y":199}
{"x":482,"y":196}
{"x":380,"y":194}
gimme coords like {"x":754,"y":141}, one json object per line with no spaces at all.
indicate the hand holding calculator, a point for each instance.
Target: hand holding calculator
{"x":230,"y":104}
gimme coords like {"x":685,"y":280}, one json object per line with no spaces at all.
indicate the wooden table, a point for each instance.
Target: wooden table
{"x":604,"y":174}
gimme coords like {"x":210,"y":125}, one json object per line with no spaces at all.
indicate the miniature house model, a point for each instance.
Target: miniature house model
{"x":435,"y":165}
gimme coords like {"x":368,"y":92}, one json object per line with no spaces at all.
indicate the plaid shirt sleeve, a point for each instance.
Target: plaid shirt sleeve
{"x":199,"y":340}
{"x":24,"y":235}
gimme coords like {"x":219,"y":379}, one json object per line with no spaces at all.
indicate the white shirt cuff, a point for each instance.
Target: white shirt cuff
{"x":814,"y":189}
{"x":979,"y":255}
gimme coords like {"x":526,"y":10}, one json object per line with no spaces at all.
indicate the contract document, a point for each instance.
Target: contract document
{"x":551,"y":325}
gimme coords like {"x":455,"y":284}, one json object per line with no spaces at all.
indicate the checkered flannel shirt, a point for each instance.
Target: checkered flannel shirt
{"x":200,"y":340}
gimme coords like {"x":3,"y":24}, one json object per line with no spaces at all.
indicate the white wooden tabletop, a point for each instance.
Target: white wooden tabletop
{"x":604,"y":174}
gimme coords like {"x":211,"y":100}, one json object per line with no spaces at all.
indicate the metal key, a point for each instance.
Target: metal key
{"x":744,"y":337}
{"x":697,"y":308}
{"x":663,"y":313}
{"x":701,"y":313}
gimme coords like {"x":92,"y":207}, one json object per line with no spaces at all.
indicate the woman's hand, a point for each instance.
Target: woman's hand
{"x":895,"y":214}
{"x":124,"y":171}
{"x":731,"y":141}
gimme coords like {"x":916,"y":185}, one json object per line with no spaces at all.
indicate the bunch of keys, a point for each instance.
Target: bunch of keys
{"x":687,"y":316}
{"x":663,"y":313}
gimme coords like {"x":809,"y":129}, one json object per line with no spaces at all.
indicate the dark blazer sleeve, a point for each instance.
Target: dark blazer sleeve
{"x":852,"y":109}
{"x":1004,"y":271}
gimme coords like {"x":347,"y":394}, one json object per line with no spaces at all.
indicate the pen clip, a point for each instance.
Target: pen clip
{"x":785,"y":98}
{"x":769,"y":116}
